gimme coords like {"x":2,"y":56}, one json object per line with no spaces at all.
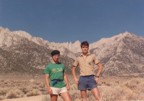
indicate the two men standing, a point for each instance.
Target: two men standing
{"x":56,"y":78}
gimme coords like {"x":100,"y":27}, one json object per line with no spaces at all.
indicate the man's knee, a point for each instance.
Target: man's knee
{"x":84,"y":98}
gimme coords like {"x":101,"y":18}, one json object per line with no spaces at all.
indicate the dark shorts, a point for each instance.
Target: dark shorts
{"x":87,"y":82}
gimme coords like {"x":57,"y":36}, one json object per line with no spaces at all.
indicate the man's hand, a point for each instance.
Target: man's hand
{"x":76,"y":81}
{"x":68,"y":87}
{"x":97,"y":79}
{"x":49,"y":90}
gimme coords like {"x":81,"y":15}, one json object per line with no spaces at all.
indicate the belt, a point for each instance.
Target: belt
{"x":87,"y":75}
{"x":55,"y":81}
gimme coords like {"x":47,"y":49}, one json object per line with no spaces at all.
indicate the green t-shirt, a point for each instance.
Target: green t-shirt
{"x":56,"y":71}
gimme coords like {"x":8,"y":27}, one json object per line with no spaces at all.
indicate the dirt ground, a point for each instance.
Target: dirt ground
{"x":22,"y":87}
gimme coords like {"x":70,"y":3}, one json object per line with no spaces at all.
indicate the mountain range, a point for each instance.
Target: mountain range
{"x":21,"y":52}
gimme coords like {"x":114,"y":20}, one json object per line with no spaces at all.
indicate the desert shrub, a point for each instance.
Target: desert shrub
{"x":112,"y":93}
{"x":43,"y":90}
{"x":74,"y":94}
{"x":3,"y":91}
{"x":41,"y":85}
{"x":25,"y":90}
{"x":14,"y":93}
{"x":1,"y":97}
{"x":33,"y":92}
{"x":111,"y":89}
{"x":73,"y":87}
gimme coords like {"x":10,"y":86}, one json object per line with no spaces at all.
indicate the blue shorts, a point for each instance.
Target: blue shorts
{"x":87,"y":82}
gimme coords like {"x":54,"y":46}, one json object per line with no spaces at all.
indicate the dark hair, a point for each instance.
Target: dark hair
{"x":55,"y":52}
{"x":84,"y":43}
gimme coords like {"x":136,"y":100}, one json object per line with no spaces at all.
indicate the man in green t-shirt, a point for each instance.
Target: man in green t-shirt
{"x":56,"y":78}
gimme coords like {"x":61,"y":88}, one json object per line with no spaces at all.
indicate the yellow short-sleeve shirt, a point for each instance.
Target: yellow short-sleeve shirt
{"x":86,"y":64}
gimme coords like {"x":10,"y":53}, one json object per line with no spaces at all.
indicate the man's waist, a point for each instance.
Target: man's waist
{"x":87,"y":75}
{"x":57,"y":80}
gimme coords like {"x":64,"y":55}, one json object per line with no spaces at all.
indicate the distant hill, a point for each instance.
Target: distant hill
{"x":121,"y":54}
{"x":20,"y":52}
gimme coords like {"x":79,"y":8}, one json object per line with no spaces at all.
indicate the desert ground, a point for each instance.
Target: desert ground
{"x":22,"y":87}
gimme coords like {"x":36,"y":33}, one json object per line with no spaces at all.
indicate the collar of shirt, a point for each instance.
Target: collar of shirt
{"x":52,"y":61}
{"x":83,"y":54}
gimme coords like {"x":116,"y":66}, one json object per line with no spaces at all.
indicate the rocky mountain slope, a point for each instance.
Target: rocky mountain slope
{"x":20,"y":52}
{"x":121,"y":54}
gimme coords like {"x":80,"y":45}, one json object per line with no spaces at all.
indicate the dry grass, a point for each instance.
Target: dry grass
{"x":111,"y":88}
{"x":14,"y":93}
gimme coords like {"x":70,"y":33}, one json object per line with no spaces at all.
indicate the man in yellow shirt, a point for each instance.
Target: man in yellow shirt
{"x":87,"y":80}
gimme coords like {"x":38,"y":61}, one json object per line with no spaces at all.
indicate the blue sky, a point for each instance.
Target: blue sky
{"x":71,"y":20}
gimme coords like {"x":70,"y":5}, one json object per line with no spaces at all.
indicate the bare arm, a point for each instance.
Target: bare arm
{"x":47,"y":80}
{"x":99,"y":72}
{"x":66,"y":81}
{"x":74,"y":74}
{"x":97,"y":62}
{"x":99,"y":69}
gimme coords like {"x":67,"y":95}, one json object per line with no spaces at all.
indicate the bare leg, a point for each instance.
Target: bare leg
{"x":53,"y":97}
{"x":96,"y":93}
{"x":83,"y":95}
{"x":65,"y":96}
